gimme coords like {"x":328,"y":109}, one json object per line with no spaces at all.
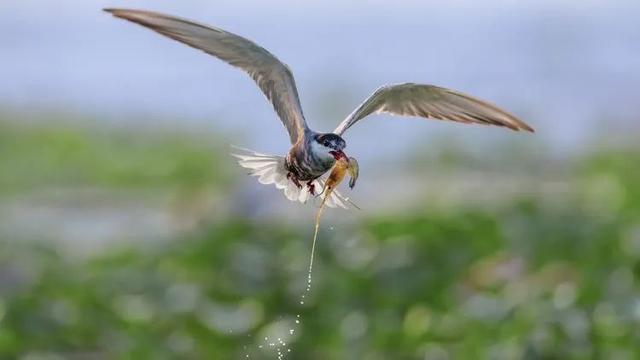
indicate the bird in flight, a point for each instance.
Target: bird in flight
{"x":312,"y":154}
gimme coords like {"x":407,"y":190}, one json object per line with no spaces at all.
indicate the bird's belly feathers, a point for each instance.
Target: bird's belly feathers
{"x":272,"y":169}
{"x":307,"y":168}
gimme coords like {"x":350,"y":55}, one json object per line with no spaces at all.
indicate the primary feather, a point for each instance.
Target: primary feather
{"x":272,"y":76}
{"x":429,"y":101}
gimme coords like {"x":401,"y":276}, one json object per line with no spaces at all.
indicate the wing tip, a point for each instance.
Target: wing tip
{"x":128,"y":14}
{"x":528,"y":128}
{"x":112,"y":11}
{"x":119,"y":13}
{"x":520,"y":125}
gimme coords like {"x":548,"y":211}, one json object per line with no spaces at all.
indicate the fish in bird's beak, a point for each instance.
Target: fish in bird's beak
{"x":339,"y":154}
{"x":354,"y":170}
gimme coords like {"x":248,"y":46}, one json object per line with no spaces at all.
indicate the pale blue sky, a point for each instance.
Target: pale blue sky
{"x":564,"y":66}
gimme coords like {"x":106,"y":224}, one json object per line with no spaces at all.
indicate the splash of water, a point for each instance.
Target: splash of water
{"x":280,"y":345}
{"x":336,"y":176}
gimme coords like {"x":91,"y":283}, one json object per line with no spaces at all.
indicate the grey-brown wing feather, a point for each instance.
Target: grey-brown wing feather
{"x":429,"y":101}
{"x":272,"y":76}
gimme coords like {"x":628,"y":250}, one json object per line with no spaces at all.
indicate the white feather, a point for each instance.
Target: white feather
{"x":270,"y":169}
{"x":321,"y":151}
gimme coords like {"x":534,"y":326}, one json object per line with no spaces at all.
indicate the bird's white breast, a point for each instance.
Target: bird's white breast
{"x":321,"y":152}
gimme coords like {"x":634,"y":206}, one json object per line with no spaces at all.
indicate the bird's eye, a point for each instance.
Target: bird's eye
{"x":325,"y":143}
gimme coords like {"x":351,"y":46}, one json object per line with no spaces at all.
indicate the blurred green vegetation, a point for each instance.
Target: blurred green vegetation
{"x":535,"y":277}
{"x":55,"y":154}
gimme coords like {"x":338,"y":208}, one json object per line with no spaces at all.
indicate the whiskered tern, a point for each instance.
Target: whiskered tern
{"x":299,"y":172}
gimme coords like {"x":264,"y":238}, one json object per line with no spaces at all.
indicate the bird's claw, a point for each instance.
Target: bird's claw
{"x":312,"y":188}
{"x":294,"y":180}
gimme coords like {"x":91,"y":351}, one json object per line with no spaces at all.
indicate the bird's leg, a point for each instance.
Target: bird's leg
{"x":311,"y":187}
{"x":291,"y":177}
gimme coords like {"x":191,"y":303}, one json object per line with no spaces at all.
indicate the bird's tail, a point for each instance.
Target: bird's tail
{"x":270,"y":169}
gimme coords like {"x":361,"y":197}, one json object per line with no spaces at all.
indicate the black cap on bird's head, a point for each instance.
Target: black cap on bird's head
{"x":333,"y":142}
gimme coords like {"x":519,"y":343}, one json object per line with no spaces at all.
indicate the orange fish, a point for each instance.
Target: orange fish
{"x":340,"y":169}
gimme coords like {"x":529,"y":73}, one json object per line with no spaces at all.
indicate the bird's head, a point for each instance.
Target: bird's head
{"x":329,"y":145}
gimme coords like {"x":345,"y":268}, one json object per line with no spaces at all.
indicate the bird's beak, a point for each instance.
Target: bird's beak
{"x":339,"y":155}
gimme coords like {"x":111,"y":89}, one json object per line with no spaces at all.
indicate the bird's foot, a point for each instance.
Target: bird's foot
{"x":312,"y":188}
{"x":294,"y":180}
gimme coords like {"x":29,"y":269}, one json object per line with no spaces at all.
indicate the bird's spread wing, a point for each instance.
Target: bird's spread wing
{"x":272,"y":76}
{"x":429,"y":101}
